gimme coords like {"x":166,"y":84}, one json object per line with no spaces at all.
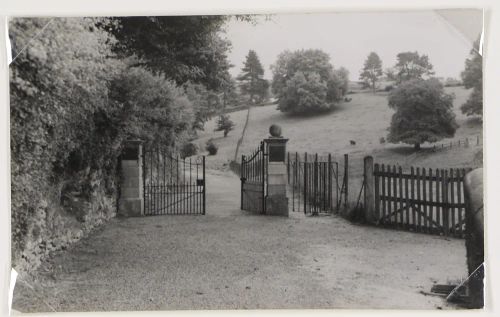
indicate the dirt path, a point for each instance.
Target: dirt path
{"x":229,"y":259}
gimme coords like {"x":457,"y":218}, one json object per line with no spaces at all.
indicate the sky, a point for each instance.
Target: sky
{"x":349,"y":37}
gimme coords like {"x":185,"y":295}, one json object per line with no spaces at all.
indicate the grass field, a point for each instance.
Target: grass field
{"x":364,"y":120}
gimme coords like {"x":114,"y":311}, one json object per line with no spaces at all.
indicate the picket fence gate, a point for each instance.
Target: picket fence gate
{"x":423,"y":200}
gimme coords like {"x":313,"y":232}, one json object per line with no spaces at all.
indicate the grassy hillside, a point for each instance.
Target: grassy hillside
{"x":227,"y":145}
{"x":364,"y":120}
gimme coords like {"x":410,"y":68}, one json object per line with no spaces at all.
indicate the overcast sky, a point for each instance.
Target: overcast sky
{"x":349,"y":37}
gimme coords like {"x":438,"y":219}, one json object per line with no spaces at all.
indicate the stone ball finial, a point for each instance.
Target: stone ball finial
{"x":275,"y":131}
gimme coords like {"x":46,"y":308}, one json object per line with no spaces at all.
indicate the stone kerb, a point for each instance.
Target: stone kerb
{"x":131,"y":202}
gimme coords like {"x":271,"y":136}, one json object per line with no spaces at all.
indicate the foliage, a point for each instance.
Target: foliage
{"x":205,"y":103}
{"x":452,"y":82}
{"x":73,"y":103}
{"x":230,"y":95}
{"x":424,"y":113}
{"x":341,"y":79}
{"x":252,"y":82}
{"x":211,"y":147}
{"x":158,"y":111}
{"x":303,"y":93}
{"x":59,"y":127}
{"x":472,"y":77}
{"x":225,"y":124}
{"x":474,"y":104}
{"x":188,"y":149}
{"x":372,"y":71}
{"x":184,"y":48}
{"x":304,"y":81}
{"x":411,"y":65}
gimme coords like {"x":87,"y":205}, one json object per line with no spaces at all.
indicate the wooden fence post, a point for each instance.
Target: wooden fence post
{"x":288,"y":168}
{"x":242,"y":178}
{"x":346,"y":179}
{"x":305,"y":183}
{"x":330,"y":167}
{"x":369,"y":181}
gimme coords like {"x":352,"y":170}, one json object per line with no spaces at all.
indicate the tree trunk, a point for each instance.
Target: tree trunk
{"x":417,"y":146}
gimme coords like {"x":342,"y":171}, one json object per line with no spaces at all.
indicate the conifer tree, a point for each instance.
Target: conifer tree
{"x":372,"y":71}
{"x":251,"y":79}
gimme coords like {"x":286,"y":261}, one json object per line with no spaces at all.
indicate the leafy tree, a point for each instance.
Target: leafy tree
{"x":230,"y":94}
{"x":372,"y":70}
{"x":206,"y":103}
{"x":341,"y":78}
{"x":184,"y":48}
{"x":303,"y":93}
{"x":252,"y":82}
{"x":472,"y":77}
{"x":411,"y":65}
{"x":160,"y":111}
{"x":424,"y":113}
{"x":73,"y":102}
{"x":59,"y":106}
{"x":224,"y":123}
{"x":305,"y":81}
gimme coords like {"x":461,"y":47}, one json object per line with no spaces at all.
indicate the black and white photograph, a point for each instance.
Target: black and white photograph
{"x":325,"y":160}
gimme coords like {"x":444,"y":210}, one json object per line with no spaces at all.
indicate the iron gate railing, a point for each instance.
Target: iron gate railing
{"x":173,"y":186}
{"x":253,"y":180}
{"x":314,"y":183}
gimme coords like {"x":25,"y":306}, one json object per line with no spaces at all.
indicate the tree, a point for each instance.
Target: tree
{"x":424,"y":113}
{"x":372,"y":70}
{"x":411,"y":65}
{"x":73,"y":103}
{"x":341,"y":79}
{"x":252,"y":82}
{"x":472,"y":77}
{"x":305,"y":81}
{"x":230,"y":97}
{"x":183,"y":48}
{"x":206,"y":103}
{"x":224,"y":123}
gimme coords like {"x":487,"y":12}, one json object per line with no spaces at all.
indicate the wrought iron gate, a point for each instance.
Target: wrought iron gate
{"x":253,"y":178}
{"x":314,"y":183}
{"x":172,"y":185}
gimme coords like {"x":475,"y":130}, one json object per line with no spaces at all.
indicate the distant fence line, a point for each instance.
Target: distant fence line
{"x":461,"y":143}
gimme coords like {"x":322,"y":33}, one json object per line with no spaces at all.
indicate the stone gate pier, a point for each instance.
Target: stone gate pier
{"x":131,"y":195}
{"x":276,"y":199}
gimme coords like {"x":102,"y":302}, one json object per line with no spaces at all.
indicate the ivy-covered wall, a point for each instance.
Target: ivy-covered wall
{"x":73,"y":103}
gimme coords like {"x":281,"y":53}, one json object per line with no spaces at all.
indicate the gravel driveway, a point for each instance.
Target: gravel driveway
{"x":229,"y":259}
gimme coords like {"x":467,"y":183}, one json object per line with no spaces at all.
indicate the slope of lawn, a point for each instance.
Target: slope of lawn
{"x":364,"y":120}
{"x":227,"y":145}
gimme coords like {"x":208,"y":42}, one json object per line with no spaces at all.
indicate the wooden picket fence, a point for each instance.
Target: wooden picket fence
{"x":423,"y":200}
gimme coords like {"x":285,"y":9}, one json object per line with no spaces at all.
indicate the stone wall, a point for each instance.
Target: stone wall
{"x":64,"y":214}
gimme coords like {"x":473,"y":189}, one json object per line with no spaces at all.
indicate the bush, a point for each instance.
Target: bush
{"x":388,"y":88}
{"x":305,"y":81}
{"x":211,"y":147}
{"x":225,"y":124}
{"x":189,"y":149}
{"x":72,"y":105}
